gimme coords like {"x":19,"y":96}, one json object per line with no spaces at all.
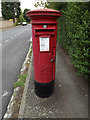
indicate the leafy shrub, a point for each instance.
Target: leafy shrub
{"x":73,"y":31}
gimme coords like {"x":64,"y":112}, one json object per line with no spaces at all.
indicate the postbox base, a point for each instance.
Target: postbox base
{"x":44,"y":89}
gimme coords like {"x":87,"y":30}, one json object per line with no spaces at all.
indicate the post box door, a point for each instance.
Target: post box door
{"x":46,"y":58}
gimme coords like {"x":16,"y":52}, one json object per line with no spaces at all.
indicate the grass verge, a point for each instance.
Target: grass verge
{"x":22,"y":79}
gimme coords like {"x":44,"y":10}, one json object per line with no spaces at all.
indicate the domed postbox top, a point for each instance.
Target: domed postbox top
{"x":43,"y":12}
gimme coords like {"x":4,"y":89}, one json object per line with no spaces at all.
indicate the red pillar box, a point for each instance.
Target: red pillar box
{"x":44,"y":37}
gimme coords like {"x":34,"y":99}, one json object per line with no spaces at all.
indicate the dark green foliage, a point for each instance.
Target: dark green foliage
{"x":57,"y":5}
{"x":24,"y":15}
{"x":10,"y":10}
{"x":20,"y":19}
{"x":73,"y":32}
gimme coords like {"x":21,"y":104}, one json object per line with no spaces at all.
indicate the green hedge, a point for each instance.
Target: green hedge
{"x":73,"y":32}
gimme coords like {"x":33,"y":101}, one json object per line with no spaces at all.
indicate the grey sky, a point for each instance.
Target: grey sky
{"x":27,"y":4}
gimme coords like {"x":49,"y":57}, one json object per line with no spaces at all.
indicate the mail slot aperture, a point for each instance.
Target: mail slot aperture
{"x":44,"y":30}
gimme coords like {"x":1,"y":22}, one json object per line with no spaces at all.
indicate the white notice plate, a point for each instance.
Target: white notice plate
{"x":44,"y":43}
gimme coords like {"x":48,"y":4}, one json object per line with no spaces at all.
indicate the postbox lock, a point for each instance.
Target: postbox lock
{"x":44,"y":26}
{"x":52,"y":60}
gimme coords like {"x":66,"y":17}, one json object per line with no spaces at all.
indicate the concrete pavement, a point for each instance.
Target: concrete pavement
{"x":70,"y":98}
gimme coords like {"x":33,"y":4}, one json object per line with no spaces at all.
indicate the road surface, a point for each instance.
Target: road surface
{"x":15,"y":45}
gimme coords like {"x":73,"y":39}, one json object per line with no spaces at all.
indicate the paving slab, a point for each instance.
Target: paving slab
{"x":70,"y":97}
